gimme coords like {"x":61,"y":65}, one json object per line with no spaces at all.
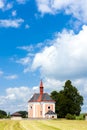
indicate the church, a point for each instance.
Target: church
{"x":41,"y":105}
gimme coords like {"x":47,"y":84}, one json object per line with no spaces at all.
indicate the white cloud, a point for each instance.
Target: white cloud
{"x":66,"y":57}
{"x":75,"y":7}
{"x":44,"y":6}
{"x":11,"y":77}
{"x":11,"y":97}
{"x":16,"y":99}
{"x":35,"y":88}
{"x":81,"y":85}
{"x":6,"y":23}
{"x":24,"y":61}
{"x":26,"y":48}
{"x":14,"y":13}
{"x":18,"y":92}
{"x":4,"y":5}
{"x":51,"y":84}
{"x":31,"y":48}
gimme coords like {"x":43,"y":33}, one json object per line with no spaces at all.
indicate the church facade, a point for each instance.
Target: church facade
{"x":41,"y":105}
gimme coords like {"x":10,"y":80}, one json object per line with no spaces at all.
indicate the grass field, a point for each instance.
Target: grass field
{"x":43,"y":125}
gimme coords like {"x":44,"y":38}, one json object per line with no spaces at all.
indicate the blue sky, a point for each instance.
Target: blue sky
{"x":41,"y":39}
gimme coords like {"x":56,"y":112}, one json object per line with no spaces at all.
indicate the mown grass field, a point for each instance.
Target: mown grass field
{"x":43,"y":125}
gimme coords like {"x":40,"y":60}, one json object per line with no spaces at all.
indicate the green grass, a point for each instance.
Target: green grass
{"x":43,"y":125}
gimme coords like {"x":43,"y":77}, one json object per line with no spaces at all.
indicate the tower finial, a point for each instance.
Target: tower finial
{"x":41,"y":87}
{"x":41,"y":83}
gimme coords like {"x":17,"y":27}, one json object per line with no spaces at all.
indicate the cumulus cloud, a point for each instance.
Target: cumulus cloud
{"x":19,"y":93}
{"x":52,"y":84}
{"x":44,"y":6}
{"x":76,"y":8}
{"x":15,"y":99}
{"x":6,"y":23}
{"x":66,"y":57}
{"x":81,"y":85}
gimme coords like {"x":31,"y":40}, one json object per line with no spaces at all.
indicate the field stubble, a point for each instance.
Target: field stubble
{"x":43,"y":125}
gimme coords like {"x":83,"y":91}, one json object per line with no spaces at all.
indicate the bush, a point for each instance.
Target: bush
{"x":70,"y":117}
{"x":80,"y":117}
{"x":23,"y":114}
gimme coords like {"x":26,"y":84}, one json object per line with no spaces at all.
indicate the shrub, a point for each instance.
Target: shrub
{"x":80,"y":117}
{"x":70,"y":117}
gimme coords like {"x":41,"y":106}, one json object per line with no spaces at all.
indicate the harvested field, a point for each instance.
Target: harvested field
{"x":43,"y":125}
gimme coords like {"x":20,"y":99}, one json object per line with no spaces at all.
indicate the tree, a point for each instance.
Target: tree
{"x":3,"y":114}
{"x":23,"y":114}
{"x":67,"y":100}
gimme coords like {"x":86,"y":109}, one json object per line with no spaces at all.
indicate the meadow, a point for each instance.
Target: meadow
{"x":43,"y":125}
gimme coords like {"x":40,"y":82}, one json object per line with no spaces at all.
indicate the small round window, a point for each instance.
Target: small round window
{"x":48,"y":107}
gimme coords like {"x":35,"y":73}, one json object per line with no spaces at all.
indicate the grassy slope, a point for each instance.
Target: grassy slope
{"x":43,"y":125}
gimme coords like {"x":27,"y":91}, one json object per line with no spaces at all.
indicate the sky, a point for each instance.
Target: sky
{"x":41,"y":40}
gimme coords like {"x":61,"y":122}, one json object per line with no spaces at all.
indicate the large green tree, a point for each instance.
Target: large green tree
{"x":67,"y":100}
